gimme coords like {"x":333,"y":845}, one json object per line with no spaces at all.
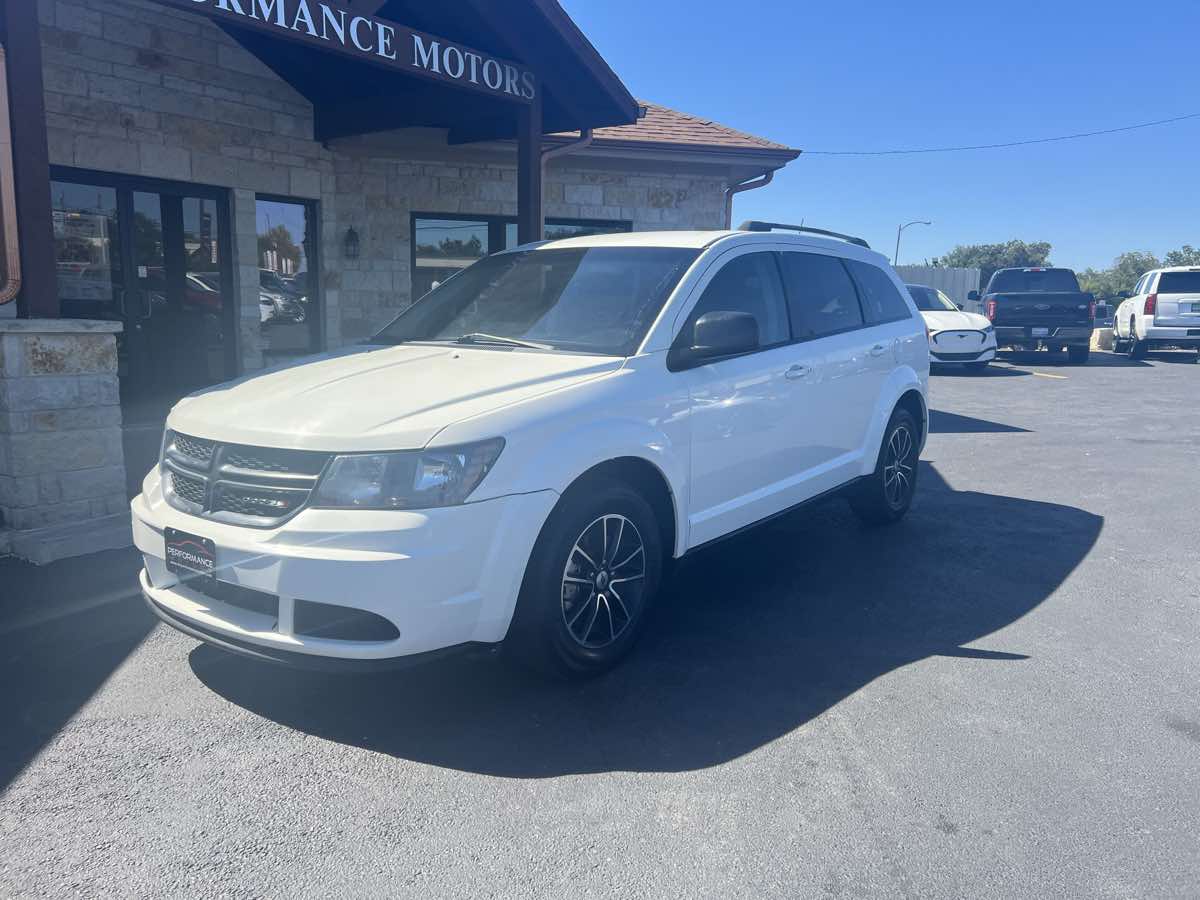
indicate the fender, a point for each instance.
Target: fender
{"x":902,"y":380}
{"x":561,"y":461}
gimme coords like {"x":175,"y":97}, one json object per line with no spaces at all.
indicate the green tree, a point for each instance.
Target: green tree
{"x":1187,"y":255}
{"x":990,"y":257}
{"x":1123,"y":275}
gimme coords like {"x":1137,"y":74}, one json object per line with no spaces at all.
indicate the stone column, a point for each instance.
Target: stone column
{"x":62,"y":467}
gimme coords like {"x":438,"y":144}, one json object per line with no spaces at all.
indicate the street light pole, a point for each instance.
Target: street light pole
{"x":900,"y":231}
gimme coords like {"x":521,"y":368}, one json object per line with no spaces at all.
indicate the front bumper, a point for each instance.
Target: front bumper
{"x":443,"y":578}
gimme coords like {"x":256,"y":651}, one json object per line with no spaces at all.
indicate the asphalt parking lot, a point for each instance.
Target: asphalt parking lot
{"x":996,"y":698}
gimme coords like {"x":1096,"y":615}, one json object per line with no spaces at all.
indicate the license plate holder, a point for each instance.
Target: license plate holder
{"x":190,"y":556}
{"x":1039,"y":332}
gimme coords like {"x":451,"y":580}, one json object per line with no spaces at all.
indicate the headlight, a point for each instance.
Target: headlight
{"x":989,"y":329}
{"x":416,"y":479}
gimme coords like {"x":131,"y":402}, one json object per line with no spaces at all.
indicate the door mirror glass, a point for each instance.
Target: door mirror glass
{"x":973,"y":296}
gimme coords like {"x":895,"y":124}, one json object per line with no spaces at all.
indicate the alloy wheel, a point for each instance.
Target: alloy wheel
{"x":603,"y":582}
{"x":898,"y":467}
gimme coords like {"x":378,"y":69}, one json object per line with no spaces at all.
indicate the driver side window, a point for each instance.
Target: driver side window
{"x":748,"y":284}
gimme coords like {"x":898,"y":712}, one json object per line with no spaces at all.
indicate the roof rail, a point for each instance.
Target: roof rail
{"x":753,"y":225}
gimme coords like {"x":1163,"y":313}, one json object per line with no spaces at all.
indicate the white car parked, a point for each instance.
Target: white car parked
{"x":1164,"y":311}
{"x":955,"y":336}
{"x":517,"y":456}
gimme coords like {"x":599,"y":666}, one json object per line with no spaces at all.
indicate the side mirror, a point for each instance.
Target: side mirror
{"x":717,"y":335}
{"x":1123,"y":295}
{"x":973,"y":296}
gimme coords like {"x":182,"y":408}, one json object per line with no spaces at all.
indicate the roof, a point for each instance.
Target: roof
{"x":665,"y":127}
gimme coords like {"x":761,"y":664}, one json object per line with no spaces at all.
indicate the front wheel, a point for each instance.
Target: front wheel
{"x":885,"y":495}
{"x":593,"y":575}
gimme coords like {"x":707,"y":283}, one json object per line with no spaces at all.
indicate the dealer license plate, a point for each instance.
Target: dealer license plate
{"x":189,"y":555}
{"x":1039,"y":332}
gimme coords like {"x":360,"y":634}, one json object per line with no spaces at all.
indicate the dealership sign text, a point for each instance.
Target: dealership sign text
{"x":329,"y":26}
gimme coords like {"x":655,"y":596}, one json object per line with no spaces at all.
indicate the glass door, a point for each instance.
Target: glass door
{"x":154,"y":257}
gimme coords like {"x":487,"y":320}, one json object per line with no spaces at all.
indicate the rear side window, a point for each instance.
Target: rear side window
{"x":821,"y":296}
{"x":881,"y":299}
{"x":1179,"y":283}
{"x":748,"y":284}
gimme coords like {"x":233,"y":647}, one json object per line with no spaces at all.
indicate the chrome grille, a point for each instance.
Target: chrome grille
{"x":255,"y":486}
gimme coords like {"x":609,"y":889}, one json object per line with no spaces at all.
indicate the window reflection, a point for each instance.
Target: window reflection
{"x":445,"y":247}
{"x":87,"y":255}
{"x":287,"y":295}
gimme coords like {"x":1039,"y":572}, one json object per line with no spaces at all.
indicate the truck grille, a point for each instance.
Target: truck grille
{"x":255,"y":486}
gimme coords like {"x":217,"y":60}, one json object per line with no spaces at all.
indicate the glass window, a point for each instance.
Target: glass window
{"x":86,"y":250}
{"x":594,"y":300}
{"x":1179,"y":283}
{"x":930,"y":299}
{"x":288,"y":298}
{"x":444,"y":248}
{"x":749,"y":284}
{"x":881,"y":299}
{"x":821,"y":295}
{"x":1027,"y":281}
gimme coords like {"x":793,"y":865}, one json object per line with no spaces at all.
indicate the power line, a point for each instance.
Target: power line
{"x":1049,"y":140}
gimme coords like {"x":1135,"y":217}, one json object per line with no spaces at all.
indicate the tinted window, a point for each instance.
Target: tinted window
{"x":821,"y":295}
{"x":1025,"y":281}
{"x":748,"y":284}
{"x":1179,"y":283}
{"x":881,"y":299}
{"x":592,"y":300}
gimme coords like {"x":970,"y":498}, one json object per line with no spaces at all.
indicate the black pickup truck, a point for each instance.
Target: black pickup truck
{"x":1039,"y":307}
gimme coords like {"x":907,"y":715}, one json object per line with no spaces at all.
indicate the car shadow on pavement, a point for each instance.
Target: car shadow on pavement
{"x":64,"y":629}
{"x":755,"y":637}
{"x":953,"y":423}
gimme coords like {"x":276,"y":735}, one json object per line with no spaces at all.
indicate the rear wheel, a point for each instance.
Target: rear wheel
{"x":593,"y":574}
{"x":885,"y":496}
{"x":1078,"y":355}
{"x":1136,"y":349}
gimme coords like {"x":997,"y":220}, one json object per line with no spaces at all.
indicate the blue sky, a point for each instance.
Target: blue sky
{"x":850,"y":76}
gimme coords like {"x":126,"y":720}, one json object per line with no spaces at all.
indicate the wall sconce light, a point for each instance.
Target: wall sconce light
{"x":350,"y":246}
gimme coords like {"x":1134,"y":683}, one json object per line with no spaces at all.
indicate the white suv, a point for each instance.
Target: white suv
{"x":1163,"y":311}
{"x":518,"y":456}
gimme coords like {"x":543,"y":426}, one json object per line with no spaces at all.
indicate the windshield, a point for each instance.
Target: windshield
{"x":1179,"y":283}
{"x":930,"y":300}
{"x":1032,"y":281}
{"x":590,"y":299}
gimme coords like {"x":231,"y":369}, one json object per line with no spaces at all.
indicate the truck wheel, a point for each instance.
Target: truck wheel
{"x":1078,"y":355}
{"x":885,"y":495}
{"x":593,"y":574}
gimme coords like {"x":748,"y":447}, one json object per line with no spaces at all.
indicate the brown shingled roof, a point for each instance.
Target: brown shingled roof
{"x":665,"y":127}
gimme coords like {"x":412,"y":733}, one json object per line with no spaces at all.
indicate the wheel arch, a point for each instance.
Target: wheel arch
{"x":651,"y":482}
{"x":903,"y":389}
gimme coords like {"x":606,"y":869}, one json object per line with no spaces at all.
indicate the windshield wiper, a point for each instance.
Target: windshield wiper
{"x":480,"y":338}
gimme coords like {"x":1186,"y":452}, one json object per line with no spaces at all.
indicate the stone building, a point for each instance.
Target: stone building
{"x":207,"y":187}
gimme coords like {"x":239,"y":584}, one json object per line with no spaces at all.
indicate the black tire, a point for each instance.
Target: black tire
{"x":555,"y":630}
{"x":1078,"y":356}
{"x":875,"y":499}
{"x":1136,"y":349}
{"x":1118,"y":345}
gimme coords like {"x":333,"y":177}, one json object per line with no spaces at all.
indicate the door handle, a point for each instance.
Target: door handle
{"x":877,"y":350}
{"x":797,"y":372}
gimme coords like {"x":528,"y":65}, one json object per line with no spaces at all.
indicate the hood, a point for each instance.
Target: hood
{"x":376,"y":398}
{"x":945,"y":320}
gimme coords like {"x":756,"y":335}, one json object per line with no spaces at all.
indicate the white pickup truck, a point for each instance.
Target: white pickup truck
{"x":1164,"y":311}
